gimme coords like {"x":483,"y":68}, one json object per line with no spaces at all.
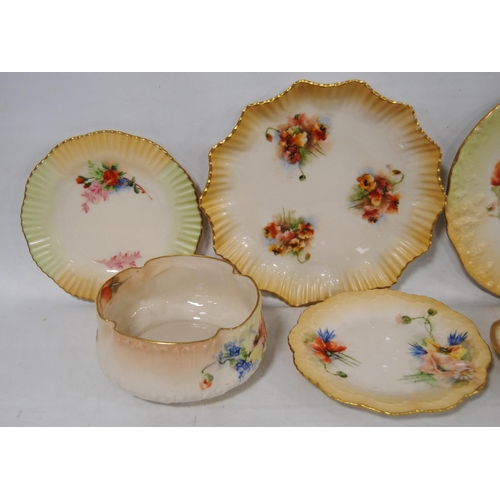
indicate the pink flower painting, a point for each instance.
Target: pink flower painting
{"x":121,"y":260}
{"x":446,"y":363}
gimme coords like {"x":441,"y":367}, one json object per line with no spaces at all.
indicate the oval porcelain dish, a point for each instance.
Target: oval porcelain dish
{"x":101,"y":202}
{"x":180,"y":329}
{"x":323,"y":189}
{"x":390,"y":352}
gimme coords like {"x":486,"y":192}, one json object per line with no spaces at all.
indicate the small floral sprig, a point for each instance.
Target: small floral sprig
{"x":439,"y":363}
{"x":374,"y":194}
{"x":493,"y":208}
{"x":406,"y":320}
{"x":290,"y":234}
{"x":103,"y":180}
{"x":121,"y":260}
{"x":238,"y":356}
{"x":110,"y":289}
{"x":299,"y":139}
{"x":328,"y":351}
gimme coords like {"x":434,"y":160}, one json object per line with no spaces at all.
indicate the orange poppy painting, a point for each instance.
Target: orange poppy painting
{"x":329,"y":351}
{"x":299,"y":139}
{"x":374,"y":194}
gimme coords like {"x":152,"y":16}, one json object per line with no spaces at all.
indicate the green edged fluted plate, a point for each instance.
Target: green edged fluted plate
{"x":101,"y":202}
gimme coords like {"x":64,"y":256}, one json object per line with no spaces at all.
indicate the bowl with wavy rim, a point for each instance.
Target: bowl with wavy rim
{"x":180,"y":329}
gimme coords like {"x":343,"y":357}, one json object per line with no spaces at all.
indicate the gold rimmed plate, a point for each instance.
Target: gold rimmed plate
{"x":473,"y":209}
{"x":101,"y":202}
{"x":390,"y":352}
{"x":323,"y":189}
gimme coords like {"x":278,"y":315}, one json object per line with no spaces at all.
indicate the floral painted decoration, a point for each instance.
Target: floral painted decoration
{"x":493,"y":208}
{"x":121,"y":260}
{"x":328,"y":351}
{"x":289,"y":234}
{"x":299,"y":139}
{"x":374,"y":194}
{"x":109,"y":290}
{"x":439,"y":363}
{"x":104,"y":180}
{"x":241,"y":358}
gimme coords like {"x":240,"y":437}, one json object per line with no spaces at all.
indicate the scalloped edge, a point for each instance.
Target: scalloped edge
{"x":374,"y":405}
{"x":130,"y":270}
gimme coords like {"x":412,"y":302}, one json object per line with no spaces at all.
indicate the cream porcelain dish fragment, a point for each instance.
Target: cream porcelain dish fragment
{"x":390,"y":352}
{"x":101,"y":202}
{"x":495,"y":336}
{"x":323,"y":189}
{"x":473,"y":209}
{"x":180,"y":329}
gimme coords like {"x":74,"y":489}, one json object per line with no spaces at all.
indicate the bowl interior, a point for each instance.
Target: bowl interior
{"x":181,"y":299}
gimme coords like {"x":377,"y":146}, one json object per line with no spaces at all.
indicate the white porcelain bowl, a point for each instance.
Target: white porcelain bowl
{"x":180,"y":329}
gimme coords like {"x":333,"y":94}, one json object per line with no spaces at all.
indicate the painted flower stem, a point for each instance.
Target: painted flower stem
{"x":302,"y":176}
{"x":398,"y":172}
{"x":338,"y":373}
{"x":220,"y":361}
{"x":274,"y":129}
{"x":307,"y":256}
{"x":142,"y":190}
{"x":348,"y":360}
{"x":427,"y":324}
{"x":318,"y":148}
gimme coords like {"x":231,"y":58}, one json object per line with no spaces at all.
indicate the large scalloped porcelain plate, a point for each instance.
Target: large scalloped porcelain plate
{"x":473,"y":212}
{"x":104,"y":201}
{"x":323,"y":189}
{"x":390,"y":352}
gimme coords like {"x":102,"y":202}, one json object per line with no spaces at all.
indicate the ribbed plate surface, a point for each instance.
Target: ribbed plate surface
{"x":104,"y":201}
{"x":324,"y":189}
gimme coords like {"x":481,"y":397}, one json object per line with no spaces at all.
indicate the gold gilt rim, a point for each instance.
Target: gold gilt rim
{"x":125,"y":134}
{"x":159,"y":342}
{"x":325,"y":85}
{"x":455,"y":160}
{"x":399,"y":413}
